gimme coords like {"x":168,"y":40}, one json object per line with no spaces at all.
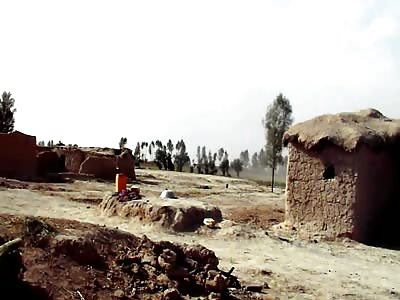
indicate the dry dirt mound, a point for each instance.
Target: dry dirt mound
{"x":71,"y":260}
{"x":178,"y":215}
{"x":257,"y":216}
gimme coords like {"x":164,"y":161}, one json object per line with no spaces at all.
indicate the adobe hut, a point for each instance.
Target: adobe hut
{"x":17,"y":155}
{"x":100,"y":163}
{"x":344,"y":177}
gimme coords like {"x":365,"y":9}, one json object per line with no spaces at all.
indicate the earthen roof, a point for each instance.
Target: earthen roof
{"x":346,"y":130}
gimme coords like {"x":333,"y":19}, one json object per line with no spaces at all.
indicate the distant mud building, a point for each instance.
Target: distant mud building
{"x":97,"y":162}
{"x":21,"y":158}
{"x":344,"y":176}
{"x":17,"y":155}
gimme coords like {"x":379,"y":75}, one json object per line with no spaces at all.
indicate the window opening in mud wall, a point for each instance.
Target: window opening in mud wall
{"x":329,"y":172}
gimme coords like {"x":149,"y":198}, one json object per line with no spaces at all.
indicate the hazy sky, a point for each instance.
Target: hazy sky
{"x":89,"y":72}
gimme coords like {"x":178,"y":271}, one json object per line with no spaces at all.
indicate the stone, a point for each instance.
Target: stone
{"x":209,"y":222}
{"x":163,"y":279}
{"x":178,"y":273}
{"x":167,"y":259}
{"x":214,"y":296}
{"x":217,"y":284}
{"x":254,"y":288}
{"x":119,"y":294}
{"x":171,"y":294}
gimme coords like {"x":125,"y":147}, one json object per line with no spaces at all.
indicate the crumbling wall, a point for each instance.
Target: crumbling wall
{"x":100,"y":166}
{"x":126,"y":164}
{"x":49,"y":162}
{"x":17,"y":155}
{"x":317,"y":204}
{"x":73,"y":158}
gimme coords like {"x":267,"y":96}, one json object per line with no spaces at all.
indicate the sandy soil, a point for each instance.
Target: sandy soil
{"x":292,"y":269}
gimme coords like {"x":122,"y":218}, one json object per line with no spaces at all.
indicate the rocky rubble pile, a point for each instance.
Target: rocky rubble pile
{"x":127,"y":195}
{"x":70,"y":260}
{"x":174,"y":270}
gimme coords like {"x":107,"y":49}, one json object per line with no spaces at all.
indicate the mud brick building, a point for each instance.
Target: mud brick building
{"x":17,"y":155}
{"x":344,"y":176}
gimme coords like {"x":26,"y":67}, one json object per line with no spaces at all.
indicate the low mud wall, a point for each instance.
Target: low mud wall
{"x":178,"y":215}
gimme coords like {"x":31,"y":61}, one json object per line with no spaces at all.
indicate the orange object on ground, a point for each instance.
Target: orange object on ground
{"x":120,"y":182}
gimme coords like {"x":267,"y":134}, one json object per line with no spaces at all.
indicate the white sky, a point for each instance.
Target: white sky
{"x":89,"y":72}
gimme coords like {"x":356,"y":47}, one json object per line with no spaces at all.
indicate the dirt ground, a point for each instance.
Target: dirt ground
{"x":292,"y":269}
{"x":66,"y":259}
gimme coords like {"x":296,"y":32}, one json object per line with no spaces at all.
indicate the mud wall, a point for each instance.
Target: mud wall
{"x":126,"y":164}
{"x":321,"y":190}
{"x":49,"y":162}
{"x":97,"y":164}
{"x":17,"y":155}
{"x":73,"y":158}
{"x":100,"y":166}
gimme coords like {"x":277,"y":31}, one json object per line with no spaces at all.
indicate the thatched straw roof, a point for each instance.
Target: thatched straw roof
{"x":346,"y":130}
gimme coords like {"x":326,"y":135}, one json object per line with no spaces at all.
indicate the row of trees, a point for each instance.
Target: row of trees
{"x":51,"y":144}
{"x":277,"y":120}
{"x":165,"y":157}
{"x":207,"y":161}
{"x":258,"y":159}
{"x":144,"y":148}
{"x":162,"y":155}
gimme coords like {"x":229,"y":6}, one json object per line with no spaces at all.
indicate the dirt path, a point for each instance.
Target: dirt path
{"x":299,"y":270}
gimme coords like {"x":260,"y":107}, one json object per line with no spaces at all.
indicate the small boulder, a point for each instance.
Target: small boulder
{"x":119,"y":294}
{"x":217,"y":284}
{"x":167,"y":259}
{"x":209,"y":222}
{"x":171,"y":294}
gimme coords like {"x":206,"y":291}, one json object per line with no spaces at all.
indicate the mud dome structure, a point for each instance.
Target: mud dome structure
{"x":344,"y":177}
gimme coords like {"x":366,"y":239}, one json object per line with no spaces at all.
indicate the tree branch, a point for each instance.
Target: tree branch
{"x":9,"y":246}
